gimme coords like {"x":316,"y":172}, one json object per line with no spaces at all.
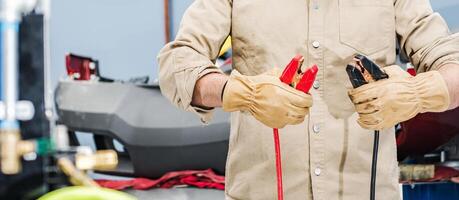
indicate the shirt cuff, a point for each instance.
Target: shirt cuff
{"x":204,"y":114}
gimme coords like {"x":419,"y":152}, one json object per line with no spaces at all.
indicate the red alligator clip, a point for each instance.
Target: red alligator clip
{"x":293,"y":76}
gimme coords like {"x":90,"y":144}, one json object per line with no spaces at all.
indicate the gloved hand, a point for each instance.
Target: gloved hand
{"x":383,"y":104}
{"x":270,"y":101}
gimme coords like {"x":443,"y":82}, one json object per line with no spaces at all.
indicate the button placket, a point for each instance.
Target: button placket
{"x":315,"y":56}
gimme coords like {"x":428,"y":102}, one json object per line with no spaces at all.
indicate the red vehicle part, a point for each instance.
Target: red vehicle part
{"x":80,"y":67}
{"x":426,"y":132}
{"x":292,"y":76}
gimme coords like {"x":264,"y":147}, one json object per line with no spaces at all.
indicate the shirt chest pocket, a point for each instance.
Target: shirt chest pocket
{"x":367,"y":26}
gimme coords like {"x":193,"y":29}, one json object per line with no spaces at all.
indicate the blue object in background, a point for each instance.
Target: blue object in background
{"x":431,"y":191}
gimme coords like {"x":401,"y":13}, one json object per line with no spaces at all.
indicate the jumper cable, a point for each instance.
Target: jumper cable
{"x":363,"y":71}
{"x":293,"y":76}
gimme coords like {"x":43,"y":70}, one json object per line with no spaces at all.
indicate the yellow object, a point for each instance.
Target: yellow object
{"x":225,"y":47}
{"x":270,"y":101}
{"x":382,"y":104}
{"x":12,"y":149}
{"x":101,"y":160}
{"x":86,"y":193}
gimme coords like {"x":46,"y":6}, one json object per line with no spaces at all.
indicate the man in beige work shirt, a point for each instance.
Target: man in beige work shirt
{"x":328,"y":155}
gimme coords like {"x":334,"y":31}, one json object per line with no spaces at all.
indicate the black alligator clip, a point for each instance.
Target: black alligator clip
{"x":362,"y":71}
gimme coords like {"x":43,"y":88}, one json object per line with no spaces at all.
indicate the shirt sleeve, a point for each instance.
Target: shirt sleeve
{"x":204,"y":27}
{"x":424,"y":35}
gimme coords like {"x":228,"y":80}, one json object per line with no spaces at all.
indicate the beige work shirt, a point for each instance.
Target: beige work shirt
{"x":328,"y":156}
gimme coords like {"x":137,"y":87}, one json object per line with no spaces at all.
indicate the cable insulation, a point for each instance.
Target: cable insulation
{"x":280,"y":192}
{"x":374,"y":164}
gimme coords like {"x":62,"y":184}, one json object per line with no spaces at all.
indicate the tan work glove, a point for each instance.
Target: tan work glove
{"x":385,"y":103}
{"x":270,"y":101}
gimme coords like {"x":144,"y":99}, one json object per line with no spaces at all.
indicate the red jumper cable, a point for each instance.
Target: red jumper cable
{"x":293,"y":76}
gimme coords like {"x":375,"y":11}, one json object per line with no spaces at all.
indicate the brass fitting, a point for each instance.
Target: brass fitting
{"x":101,"y":160}
{"x":12,"y":149}
{"x":76,"y":176}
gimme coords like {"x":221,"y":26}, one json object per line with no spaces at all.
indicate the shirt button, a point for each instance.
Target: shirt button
{"x":317,"y":171}
{"x":316,"y":85}
{"x":316,"y":128}
{"x":315,"y":44}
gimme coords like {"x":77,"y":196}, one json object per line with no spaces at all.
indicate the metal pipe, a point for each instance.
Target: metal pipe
{"x":167,"y":23}
{"x":49,"y":105}
{"x":10,"y":28}
{"x":11,"y":16}
{"x":10,"y":70}
{"x":48,"y":89}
